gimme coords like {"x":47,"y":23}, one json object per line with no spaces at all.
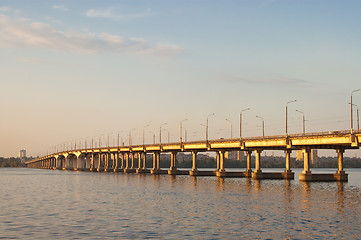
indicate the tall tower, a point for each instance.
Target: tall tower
{"x":22,"y":155}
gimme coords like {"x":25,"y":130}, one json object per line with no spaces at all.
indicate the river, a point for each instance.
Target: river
{"x":48,"y":204}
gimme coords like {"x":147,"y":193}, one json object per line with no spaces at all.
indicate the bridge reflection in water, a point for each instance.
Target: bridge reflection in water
{"x":122,"y":158}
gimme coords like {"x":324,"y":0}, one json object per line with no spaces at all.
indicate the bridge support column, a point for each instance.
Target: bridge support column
{"x":131,"y":169}
{"x":340,"y":174}
{"x":144,"y":169}
{"x":139,"y":160}
{"x":121,"y":162}
{"x":257,"y":174}
{"x":306,"y":175}
{"x":99,"y":169}
{"x":66,"y":162}
{"x":59,"y":163}
{"x":156,"y":163}
{"x":126,"y":161}
{"x":132,"y":157}
{"x":92,"y":167}
{"x":106,"y":162}
{"x":77,"y":164}
{"x":173,"y":167}
{"x":340,"y":160}
{"x":217,"y":159}
{"x":105,"y":159}
{"x":248,"y":172}
{"x":221,"y":171}
{"x":144,"y":161}
{"x":116,"y":162}
{"x":288,"y":174}
{"x":194,"y":171}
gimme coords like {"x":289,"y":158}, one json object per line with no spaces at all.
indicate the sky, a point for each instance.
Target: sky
{"x":73,"y":71}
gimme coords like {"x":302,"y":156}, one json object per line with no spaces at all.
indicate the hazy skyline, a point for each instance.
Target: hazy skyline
{"x":72,"y":70}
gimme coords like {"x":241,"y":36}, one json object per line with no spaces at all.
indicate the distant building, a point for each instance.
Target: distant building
{"x":313,"y":155}
{"x":22,"y":155}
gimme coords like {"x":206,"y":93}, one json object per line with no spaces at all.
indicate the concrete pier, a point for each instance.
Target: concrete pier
{"x":140,"y":168}
{"x":173,"y":166}
{"x":257,"y":174}
{"x":307,"y":176}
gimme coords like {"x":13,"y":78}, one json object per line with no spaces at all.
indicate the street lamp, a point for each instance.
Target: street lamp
{"x":120,"y":138}
{"x":168,"y":133}
{"x":240,"y":122}
{"x":262,"y":124}
{"x":207,"y":125}
{"x":143,"y":132}
{"x":303,"y":121}
{"x":358,"y":120}
{"x":100,"y":140}
{"x":287,"y":114}
{"x":352,"y":109}
{"x":181,"y":132}
{"x":231,"y":126}
{"x":160,"y":133}
{"x":130,"y":137}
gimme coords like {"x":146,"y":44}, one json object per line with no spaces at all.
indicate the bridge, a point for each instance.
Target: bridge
{"x":122,"y":158}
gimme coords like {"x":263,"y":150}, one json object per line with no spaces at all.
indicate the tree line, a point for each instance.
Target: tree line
{"x":11,"y":162}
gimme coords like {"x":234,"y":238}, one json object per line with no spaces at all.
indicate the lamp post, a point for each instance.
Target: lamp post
{"x":130,"y":137}
{"x":212,"y":114}
{"x":168,"y":133}
{"x":352,"y":109}
{"x":108,"y":140}
{"x":143,"y":132}
{"x":240,"y":122}
{"x":181,"y":131}
{"x":160,"y":133}
{"x":120,"y":139}
{"x":287,"y":114}
{"x":100,"y":140}
{"x":358,"y":120}
{"x":262,"y":124}
{"x":303,"y":121}
{"x":231,"y":126}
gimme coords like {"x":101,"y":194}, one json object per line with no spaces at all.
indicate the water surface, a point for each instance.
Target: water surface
{"x":48,"y":204}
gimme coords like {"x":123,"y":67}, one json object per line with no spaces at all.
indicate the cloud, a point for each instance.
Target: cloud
{"x":5,"y":9}
{"x":26,"y":34}
{"x":28,"y":60}
{"x":109,"y":14}
{"x":60,"y":7}
{"x":284,"y":81}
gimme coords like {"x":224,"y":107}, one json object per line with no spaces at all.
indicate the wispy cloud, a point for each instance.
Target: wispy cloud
{"x":5,"y":9}
{"x":24,"y":33}
{"x":109,"y":13}
{"x":60,"y":7}
{"x":28,"y":60}
{"x":280,"y":81}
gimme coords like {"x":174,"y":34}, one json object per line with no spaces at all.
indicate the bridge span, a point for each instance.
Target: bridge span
{"x":122,"y":158}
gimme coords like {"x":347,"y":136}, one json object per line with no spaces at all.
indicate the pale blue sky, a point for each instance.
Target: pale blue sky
{"x":72,"y":70}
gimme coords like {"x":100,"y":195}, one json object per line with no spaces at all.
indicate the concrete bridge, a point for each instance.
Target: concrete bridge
{"x":122,"y":158}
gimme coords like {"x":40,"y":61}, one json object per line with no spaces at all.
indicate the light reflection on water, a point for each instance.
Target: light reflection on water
{"x":46,"y":204}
